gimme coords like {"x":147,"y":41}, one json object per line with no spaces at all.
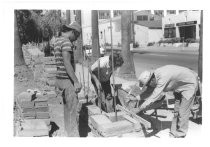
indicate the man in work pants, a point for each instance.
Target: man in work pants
{"x":101,"y":80}
{"x":66,"y":79}
{"x":183,"y":82}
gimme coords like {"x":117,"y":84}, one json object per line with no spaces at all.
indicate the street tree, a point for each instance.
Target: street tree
{"x":18,"y":53}
{"x":95,"y":35}
{"x":127,"y":70}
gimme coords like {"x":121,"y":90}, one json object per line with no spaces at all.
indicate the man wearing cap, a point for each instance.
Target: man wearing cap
{"x":66,"y":79}
{"x":183,"y":82}
{"x":101,"y":80}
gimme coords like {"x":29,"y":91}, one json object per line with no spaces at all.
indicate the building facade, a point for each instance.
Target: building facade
{"x":185,"y":25}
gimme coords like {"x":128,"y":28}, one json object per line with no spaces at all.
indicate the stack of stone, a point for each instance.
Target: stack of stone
{"x":34,"y":111}
{"x":33,"y":106}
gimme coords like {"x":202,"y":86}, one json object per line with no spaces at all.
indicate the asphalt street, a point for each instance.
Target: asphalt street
{"x":153,"y":60}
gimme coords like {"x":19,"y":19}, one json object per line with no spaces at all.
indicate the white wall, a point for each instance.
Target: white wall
{"x":155,"y":35}
{"x":141,"y":35}
{"x":182,"y":17}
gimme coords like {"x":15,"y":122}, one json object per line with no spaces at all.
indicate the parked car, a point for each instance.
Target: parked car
{"x":88,"y":51}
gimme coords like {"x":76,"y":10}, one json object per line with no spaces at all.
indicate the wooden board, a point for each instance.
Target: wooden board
{"x":141,"y":120}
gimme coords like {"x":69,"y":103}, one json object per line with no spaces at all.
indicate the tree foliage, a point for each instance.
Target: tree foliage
{"x":38,"y":25}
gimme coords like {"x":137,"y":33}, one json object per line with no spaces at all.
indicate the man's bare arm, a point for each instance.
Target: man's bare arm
{"x":69,"y":69}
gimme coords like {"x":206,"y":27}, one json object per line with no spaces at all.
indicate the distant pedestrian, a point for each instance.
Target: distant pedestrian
{"x":183,"y":82}
{"x":102,"y":82}
{"x":66,"y":79}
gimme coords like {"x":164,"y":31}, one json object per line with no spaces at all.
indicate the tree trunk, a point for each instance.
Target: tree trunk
{"x":95,"y":36}
{"x":127,"y":70}
{"x":18,"y":53}
{"x":68,"y":17}
{"x":79,"y":52}
{"x":200,"y":57}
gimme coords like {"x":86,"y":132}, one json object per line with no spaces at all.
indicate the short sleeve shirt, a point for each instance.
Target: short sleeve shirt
{"x":105,"y":70}
{"x":63,"y":44}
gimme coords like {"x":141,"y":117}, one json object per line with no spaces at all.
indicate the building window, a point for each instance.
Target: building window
{"x":142,"y":18}
{"x":159,"y":12}
{"x":152,"y":18}
{"x":180,"y":11}
{"x":104,"y":14}
{"x":170,"y":32}
{"x":171,"y":11}
{"x":117,"y":13}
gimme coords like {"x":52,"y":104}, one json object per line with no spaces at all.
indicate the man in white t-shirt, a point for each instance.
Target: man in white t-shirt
{"x":101,"y":72}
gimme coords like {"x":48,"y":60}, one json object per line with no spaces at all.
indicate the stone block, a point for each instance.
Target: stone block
{"x":93,"y":110}
{"x":26,"y":104}
{"x":115,"y":128}
{"x":24,"y":96}
{"x":34,"y":127}
{"x":42,"y":109}
{"x":28,"y":110}
{"x":29,"y":115}
{"x":98,"y":120}
{"x":42,"y":115}
{"x":51,"y":94}
{"x":51,"y":70}
{"x":41,"y":104}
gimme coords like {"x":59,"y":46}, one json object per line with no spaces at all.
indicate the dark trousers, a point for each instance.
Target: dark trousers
{"x":71,"y":108}
{"x":180,"y":122}
{"x":104,"y":95}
